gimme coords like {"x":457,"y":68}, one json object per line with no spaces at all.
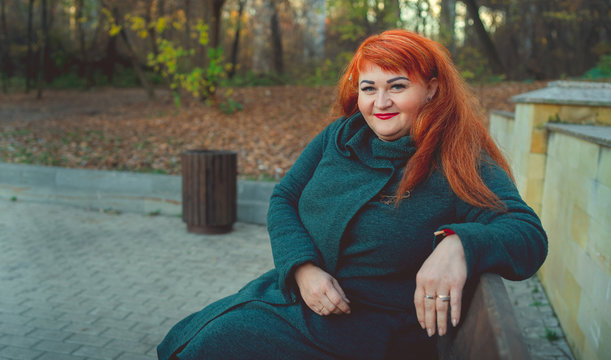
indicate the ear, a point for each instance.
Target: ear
{"x":431,"y":87}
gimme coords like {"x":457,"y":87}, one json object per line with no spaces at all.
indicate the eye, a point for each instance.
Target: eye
{"x":398,"y":86}
{"x":368,"y":89}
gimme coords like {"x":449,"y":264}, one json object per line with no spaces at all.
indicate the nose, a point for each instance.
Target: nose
{"x":382,"y":100}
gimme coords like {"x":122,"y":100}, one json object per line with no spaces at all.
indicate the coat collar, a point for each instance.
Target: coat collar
{"x":354,"y":138}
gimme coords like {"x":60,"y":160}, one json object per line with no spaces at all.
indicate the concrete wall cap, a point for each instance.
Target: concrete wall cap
{"x":600,"y":135}
{"x":507,"y":114}
{"x":569,"y":93}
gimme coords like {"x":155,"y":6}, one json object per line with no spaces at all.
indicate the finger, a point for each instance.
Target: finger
{"x":328,"y":306}
{"x":340,"y":290}
{"x":455,"y":305}
{"x":430,"y":317}
{"x":338,"y":298}
{"x":314,"y":307}
{"x":442,"y":308}
{"x":419,"y":304}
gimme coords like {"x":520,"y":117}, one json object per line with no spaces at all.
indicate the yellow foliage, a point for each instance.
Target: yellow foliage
{"x":114,"y":29}
{"x":160,"y":25}
{"x":203,"y":32}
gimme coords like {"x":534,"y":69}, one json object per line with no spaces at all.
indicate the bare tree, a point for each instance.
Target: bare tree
{"x":260,"y":29}
{"x":489,"y":47}
{"x":277,"y":52}
{"x":42,"y":50}
{"x":236,"y":39}
{"x":314,"y":32}
{"x":5,"y":53}
{"x":447,"y":21}
{"x":29,"y":65}
{"x":212,"y":16}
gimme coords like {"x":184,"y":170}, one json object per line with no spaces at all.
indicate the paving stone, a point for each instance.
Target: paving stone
{"x":48,"y":324}
{"x":57,"y":346}
{"x":133,"y":356}
{"x":83,"y":328}
{"x":11,"y":352}
{"x":15,"y":329}
{"x":130,"y":346}
{"x":56,"y":356}
{"x":98,"y":353}
{"x":16,"y":319}
{"x":46,"y":334}
{"x":123,"y":334}
{"x":18,"y":341}
{"x":84,"y":339}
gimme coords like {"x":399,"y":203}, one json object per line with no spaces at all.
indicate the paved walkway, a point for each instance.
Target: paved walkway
{"x":89,"y":285}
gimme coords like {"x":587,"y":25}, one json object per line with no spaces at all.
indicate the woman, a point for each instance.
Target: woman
{"x":379,"y":224}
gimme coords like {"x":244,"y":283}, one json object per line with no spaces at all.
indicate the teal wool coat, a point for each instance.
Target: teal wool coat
{"x":332,"y":208}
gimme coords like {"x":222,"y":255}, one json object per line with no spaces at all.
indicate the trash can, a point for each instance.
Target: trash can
{"x":209,"y":190}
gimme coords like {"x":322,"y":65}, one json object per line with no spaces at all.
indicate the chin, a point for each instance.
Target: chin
{"x":388,"y":138}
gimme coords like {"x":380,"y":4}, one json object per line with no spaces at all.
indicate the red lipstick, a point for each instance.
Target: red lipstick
{"x":385,"y":116}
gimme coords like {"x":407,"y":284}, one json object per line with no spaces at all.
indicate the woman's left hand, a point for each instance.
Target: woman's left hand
{"x":443,"y":274}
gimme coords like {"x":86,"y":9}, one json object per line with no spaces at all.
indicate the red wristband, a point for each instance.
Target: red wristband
{"x":442,"y":234}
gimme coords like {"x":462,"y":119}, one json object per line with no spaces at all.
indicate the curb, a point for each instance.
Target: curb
{"x":119,"y":190}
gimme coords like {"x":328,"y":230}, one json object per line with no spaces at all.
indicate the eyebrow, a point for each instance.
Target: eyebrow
{"x":387,"y":81}
{"x":396,"y":78}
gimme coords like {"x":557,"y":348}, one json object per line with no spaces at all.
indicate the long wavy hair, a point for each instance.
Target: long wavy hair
{"x":448,"y":131}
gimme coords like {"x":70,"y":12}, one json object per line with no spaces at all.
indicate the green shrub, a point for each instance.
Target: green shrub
{"x":602,"y":70}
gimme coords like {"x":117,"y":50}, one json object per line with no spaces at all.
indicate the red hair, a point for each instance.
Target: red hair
{"x":448,"y":131}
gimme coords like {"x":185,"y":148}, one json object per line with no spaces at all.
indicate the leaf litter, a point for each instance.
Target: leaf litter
{"x":119,"y":129}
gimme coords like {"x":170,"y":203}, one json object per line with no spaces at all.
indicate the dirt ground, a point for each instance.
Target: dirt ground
{"x":121,"y":129}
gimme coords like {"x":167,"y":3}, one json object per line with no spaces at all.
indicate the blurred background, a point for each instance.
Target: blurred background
{"x":85,"y":43}
{"x":129,"y":85}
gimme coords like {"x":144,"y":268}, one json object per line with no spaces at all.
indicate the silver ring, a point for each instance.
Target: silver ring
{"x":444,"y":297}
{"x":429,"y":297}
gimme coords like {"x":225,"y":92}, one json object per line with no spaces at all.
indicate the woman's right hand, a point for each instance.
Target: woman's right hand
{"x":320,"y":291}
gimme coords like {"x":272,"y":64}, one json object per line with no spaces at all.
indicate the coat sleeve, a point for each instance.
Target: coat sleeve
{"x":290,"y":241}
{"x":511,"y":243}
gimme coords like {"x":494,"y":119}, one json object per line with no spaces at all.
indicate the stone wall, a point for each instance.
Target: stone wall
{"x":559,"y":147}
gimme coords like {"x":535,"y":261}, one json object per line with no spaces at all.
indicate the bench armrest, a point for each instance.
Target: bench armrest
{"x":489,"y":329}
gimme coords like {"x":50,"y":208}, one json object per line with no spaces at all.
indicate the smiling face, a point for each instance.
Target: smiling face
{"x":391,"y":101}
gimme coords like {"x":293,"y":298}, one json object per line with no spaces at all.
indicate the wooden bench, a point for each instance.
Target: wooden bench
{"x":489,"y":328}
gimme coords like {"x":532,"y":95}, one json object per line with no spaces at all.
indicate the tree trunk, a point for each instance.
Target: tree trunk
{"x":5,"y":55}
{"x":42,"y":50}
{"x":260,"y":54}
{"x":150,"y":92}
{"x":29,"y":66}
{"x":212,"y":14}
{"x":152,"y":33}
{"x":85,"y":64}
{"x":489,"y":48}
{"x":314,"y":32}
{"x":188,"y":24}
{"x":277,"y":51}
{"x":236,"y":40}
{"x":447,"y":24}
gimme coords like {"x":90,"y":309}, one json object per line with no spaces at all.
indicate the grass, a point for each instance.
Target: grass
{"x":551,"y":335}
{"x":111,"y":211}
